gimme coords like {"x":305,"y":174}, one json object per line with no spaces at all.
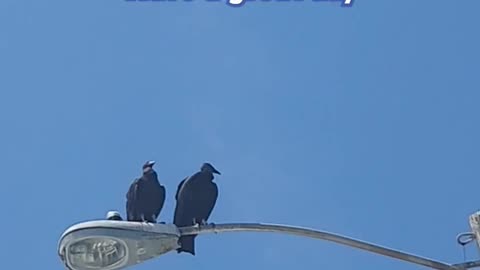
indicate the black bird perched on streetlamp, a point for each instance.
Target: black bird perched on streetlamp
{"x":196,"y":197}
{"x":146,"y":196}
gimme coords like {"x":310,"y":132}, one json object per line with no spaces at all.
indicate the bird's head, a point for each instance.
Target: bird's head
{"x":148,"y":166}
{"x":207,"y":167}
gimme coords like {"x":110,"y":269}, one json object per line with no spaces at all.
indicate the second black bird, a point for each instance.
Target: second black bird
{"x":196,"y":197}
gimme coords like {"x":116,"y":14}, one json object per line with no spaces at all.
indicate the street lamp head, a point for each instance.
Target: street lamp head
{"x":113,"y":244}
{"x":97,"y":253}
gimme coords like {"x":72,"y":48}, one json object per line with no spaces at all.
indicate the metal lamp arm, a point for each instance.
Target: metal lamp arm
{"x":322,"y":235}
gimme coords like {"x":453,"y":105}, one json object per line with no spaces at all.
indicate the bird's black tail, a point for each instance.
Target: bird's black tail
{"x":187,"y":244}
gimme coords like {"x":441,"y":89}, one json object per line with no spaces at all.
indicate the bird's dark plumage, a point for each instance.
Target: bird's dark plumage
{"x":196,"y":197}
{"x":145,"y":197}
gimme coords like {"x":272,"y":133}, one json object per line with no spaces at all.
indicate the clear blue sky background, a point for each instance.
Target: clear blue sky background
{"x":360,"y":121}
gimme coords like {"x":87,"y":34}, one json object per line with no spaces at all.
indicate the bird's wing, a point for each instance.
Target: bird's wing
{"x":131,"y":199}
{"x":180,"y":186}
{"x":160,"y":199}
{"x":182,"y":206}
{"x":209,"y":198}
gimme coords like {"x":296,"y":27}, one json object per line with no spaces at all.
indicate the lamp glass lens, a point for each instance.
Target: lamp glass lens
{"x":96,"y":253}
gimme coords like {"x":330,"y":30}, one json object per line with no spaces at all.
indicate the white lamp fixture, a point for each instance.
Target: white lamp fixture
{"x":110,"y":245}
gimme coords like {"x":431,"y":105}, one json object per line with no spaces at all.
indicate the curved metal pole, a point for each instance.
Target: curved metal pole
{"x":468,"y":265}
{"x":306,"y":232}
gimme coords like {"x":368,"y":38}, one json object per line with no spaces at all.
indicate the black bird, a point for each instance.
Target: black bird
{"x":196,"y":197}
{"x":146,"y":196}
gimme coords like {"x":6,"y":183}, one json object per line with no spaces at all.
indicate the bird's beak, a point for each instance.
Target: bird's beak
{"x":151,"y":163}
{"x":217,"y":172}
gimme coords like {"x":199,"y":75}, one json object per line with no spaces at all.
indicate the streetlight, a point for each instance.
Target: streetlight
{"x":114,"y":245}
{"x":109,"y":245}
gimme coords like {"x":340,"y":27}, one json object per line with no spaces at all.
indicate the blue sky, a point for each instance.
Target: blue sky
{"x":361,"y":121}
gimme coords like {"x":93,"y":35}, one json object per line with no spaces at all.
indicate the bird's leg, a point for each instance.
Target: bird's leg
{"x":203,"y":222}
{"x":195,"y":223}
{"x":144,"y":218}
